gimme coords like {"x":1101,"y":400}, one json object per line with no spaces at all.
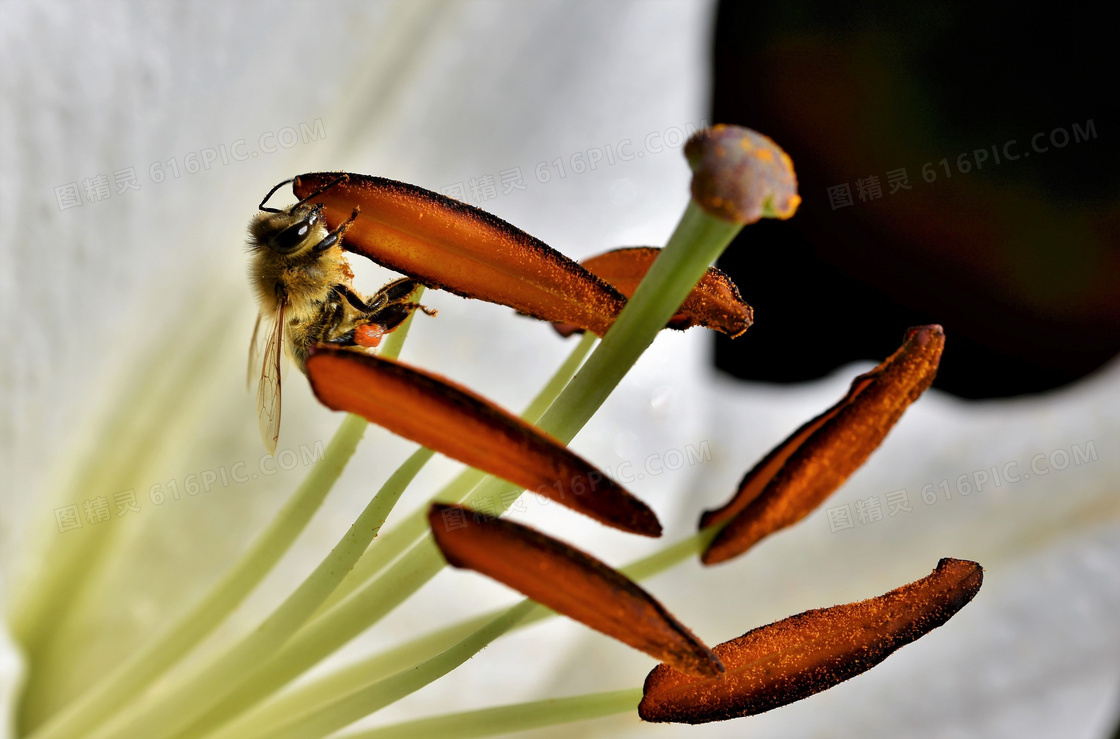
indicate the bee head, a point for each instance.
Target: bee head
{"x":287,"y":232}
{"x":290,"y":231}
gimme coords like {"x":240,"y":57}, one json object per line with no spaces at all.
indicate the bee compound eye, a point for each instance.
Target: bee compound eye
{"x":292,"y":237}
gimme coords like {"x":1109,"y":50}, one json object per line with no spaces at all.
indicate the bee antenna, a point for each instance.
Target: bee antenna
{"x":341,"y":178}
{"x":270,"y":194}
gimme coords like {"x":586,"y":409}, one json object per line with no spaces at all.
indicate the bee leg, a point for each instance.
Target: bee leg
{"x":331,"y":329}
{"x":336,"y":235}
{"x":381,"y":314}
{"x":334,"y":329}
{"x":384,"y":321}
{"x":398,"y":291}
{"x":355,"y":300}
{"x":394,"y":315}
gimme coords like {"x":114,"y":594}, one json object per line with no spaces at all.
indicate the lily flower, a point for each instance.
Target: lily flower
{"x":82,"y":604}
{"x":222,"y":695}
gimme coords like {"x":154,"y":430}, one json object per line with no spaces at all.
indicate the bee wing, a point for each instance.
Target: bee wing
{"x":254,"y":351}
{"x":268,"y":388}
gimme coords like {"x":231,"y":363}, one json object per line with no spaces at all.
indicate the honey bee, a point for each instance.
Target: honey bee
{"x":305,"y":297}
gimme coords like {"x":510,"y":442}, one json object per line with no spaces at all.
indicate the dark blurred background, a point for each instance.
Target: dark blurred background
{"x":1006,"y":227}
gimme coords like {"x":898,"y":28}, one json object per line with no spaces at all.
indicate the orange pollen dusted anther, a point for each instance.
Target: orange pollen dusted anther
{"x":813,"y":462}
{"x":457,"y":423}
{"x":799,"y":656}
{"x":453,"y":246}
{"x":714,"y":302}
{"x":570,"y":582}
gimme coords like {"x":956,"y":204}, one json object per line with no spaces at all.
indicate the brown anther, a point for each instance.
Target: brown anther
{"x":798,"y":475}
{"x":804,"y":654}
